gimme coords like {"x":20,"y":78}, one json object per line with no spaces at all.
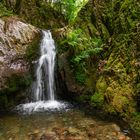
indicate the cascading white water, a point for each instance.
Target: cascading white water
{"x":44,"y":87}
{"x":46,"y":63}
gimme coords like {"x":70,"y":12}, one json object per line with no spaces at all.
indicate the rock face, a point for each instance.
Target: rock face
{"x":110,"y":79}
{"x":38,"y":12}
{"x":66,"y":75}
{"x":15,"y":38}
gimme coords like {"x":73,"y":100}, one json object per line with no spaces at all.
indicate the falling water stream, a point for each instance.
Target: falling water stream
{"x":46,"y":118}
{"x":46,"y":63}
{"x":44,"y":97}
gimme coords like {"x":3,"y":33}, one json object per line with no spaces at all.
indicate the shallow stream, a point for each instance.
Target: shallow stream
{"x":68,"y":124}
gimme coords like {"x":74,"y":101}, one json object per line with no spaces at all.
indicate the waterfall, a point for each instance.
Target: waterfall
{"x":46,"y":63}
{"x":44,"y":97}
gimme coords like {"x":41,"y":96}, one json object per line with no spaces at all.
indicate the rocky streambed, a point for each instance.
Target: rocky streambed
{"x":71,"y":124}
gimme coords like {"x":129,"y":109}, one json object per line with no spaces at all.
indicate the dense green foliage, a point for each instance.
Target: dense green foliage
{"x":83,"y":49}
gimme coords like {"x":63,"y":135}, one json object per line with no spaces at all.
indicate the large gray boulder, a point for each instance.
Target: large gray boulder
{"x":16,"y":40}
{"x":15,"y":37}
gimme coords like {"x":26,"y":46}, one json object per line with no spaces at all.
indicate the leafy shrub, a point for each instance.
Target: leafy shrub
{"x":83,"y":48}
{"x":80,"y":42}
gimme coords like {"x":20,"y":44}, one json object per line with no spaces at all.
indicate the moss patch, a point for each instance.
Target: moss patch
{"x":97,"y":100}
{"x":41,"y":14}
{"x":32,"y":51}
{"x":135,"y":122}
{"x":17,"y":83}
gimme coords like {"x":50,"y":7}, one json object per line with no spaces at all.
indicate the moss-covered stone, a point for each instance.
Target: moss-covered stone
{"x":41,"y":14}
{"x":17,"y":83}
{"x":15,"y":91}
{"x":101,"y":85}
{"x":97,"y":99}
{"x":135,"y":122}
{"x":32,"y":52}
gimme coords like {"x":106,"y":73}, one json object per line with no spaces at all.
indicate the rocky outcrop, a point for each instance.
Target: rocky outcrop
{"x":15,"y":39}
{"x":65,"y":82}
{"x":42,"y":14}
{"x":111,"y":77}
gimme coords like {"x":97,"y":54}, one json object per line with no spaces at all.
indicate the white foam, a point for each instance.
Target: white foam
{"x":40,"y":106}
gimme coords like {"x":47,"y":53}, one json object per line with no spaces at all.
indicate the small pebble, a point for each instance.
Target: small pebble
{"x":122,"y":137}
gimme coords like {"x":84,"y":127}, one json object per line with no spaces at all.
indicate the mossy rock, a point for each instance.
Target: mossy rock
{"x":41,"y":14}
{"x":135,"y":122}
{"x":15,"y":92}
{"x":97,"y":100}
{"x":17,"y":83}
{"x":101,"y":85}
{"x":84,"y":98}
{"x":32,"y":51}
